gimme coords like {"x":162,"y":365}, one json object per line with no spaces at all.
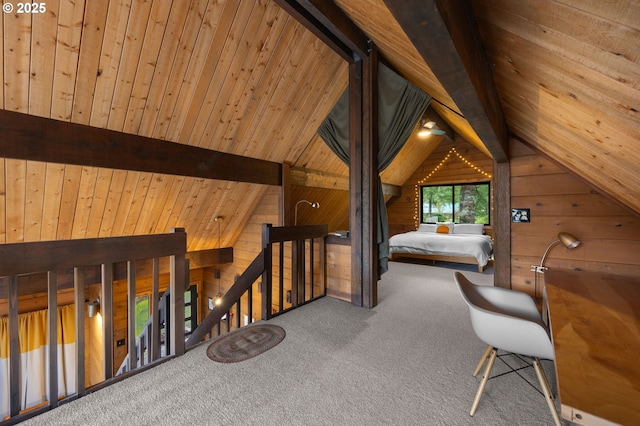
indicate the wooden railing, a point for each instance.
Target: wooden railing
{"x":289,"y":271}
{"x":72,"y":264}
{"x":148,"y":348}
{"x":296,"y":256}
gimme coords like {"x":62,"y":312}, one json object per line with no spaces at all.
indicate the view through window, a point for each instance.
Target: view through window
{"x":459,"y":203}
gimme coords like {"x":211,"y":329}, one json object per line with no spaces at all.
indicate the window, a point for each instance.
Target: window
{"x":459,"y":203}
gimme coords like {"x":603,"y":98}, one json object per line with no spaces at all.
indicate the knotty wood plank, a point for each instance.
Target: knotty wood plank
{"x":110,"y":55}
{"x":127,"y":65}
{"x":236,"y":62}
{"x":201,"y":104}
{"x":98,"y":202}
{"x":138,"y":196}
{"x":201,"y":66}
{"x":114,"y":202}
{"x":257,"y":108}
{"x":177,"y":77}
{"x":153,"y":203}
{"x":16,"y":60}
{"x":43,"y":139}
{"x":93,"y":27}
{"x":35,"y":179}
{"x":15,"y":198}
{"x":85,"y":198}
{"x":159,"y":21}
{"x":70,"y":19}
{"x":43,"y":50}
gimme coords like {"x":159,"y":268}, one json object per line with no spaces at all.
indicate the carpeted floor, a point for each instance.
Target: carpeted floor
{"x":408,"y":361}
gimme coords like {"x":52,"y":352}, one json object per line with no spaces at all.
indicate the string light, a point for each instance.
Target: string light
{"x":445,"y":160}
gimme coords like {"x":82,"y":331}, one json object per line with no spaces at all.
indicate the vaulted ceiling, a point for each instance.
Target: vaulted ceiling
{"x":243,"y":77}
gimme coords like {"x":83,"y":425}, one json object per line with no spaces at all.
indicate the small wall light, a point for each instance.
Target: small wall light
{"x":93,"y":308}
{"x":567,"y":240}
{"x":313,"y":205}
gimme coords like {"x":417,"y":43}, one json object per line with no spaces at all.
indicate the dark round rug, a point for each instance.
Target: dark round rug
{"x":245,"y":343}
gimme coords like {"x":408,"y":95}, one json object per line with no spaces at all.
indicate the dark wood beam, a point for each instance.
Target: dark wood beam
{"x":27,"y":137}
{"x":363,"y":180}
{"x":501,"y":187}
{"x":330,"y":24}
{"x":446,"y":35}
{"x":302,"y":176}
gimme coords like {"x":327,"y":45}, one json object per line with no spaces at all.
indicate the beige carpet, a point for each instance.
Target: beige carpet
{"x":406,"y":362}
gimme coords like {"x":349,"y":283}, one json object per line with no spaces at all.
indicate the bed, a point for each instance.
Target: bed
{"x":461,"y":243}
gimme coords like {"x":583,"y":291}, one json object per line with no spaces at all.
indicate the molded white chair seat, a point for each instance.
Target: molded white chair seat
{"x":503,"y":320}
{"x":510,"y":301}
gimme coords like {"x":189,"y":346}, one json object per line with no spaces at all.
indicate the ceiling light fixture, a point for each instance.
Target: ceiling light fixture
{"x":429,"y":127}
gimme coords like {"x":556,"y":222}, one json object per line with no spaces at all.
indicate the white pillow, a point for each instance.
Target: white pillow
{"x":469,"y":228}
{"x":447,"y":224}
{"x":427,"y":227}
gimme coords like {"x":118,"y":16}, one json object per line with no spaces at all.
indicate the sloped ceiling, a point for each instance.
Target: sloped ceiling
{"x":235,"y":76}
{"x":566,"y":73}
{"x":245,"y":78}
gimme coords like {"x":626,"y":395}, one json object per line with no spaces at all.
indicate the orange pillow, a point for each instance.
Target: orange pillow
{"x":442,"y":229}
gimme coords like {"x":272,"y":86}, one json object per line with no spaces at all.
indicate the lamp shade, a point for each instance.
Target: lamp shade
{"x":568,"y":240}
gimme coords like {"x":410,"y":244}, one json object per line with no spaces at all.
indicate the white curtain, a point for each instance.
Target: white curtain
{"x":34,"y":357}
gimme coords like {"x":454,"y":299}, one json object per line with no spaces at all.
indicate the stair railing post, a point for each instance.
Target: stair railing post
{"x":267,"y":275}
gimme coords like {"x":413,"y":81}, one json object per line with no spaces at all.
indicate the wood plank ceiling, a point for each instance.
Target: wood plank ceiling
{"x":245,"y":78}
{"x":566,"y":72}
{"x":239,"y":77}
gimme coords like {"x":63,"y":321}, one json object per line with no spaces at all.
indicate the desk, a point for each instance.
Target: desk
{"x":595,"y":328}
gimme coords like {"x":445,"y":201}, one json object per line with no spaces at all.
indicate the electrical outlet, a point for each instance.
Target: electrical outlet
{"x":538,"y":269}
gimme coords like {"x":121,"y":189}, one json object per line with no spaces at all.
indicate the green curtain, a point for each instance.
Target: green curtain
{"x":400,"y":106}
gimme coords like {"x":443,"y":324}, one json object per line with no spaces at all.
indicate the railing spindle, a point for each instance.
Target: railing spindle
{"x":52,"y":318}
{"x":78,"y":292}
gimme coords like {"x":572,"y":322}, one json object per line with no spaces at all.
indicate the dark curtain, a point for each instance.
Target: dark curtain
{"x":400,"y":106}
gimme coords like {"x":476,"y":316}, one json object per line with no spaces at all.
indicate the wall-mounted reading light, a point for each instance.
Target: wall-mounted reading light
{"x":93,"y":308}
{"x":217,"y":300}
{"x":313,"y":205}
{"x":567,"y":240}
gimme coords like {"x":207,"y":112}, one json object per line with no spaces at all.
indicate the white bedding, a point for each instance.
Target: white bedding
{"x":467,"y":245}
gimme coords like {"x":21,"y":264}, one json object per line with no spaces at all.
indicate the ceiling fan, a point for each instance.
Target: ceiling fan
{"x":429,"y":127}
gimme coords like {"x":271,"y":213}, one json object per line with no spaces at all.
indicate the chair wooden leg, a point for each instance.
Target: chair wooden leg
{"x":483,"y":382}
{"x":542,"y":378}
{"x":485,"y":355}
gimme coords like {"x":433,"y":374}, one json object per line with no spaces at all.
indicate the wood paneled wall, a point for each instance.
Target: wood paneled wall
{"x":334,"y":207}
{"x":402,"y":210}
{"x":339,"y":268}
{"x":610,"y":234}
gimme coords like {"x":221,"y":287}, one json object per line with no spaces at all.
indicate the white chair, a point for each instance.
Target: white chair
{"x":515,"y":303}
{"x":498,"y":324}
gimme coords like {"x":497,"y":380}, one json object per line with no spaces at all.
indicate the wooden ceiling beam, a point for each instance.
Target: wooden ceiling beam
{"x":446,"y":35}
{"x":330,"y":24}
{"x":318,"y":179}
{"x":27,"y":137}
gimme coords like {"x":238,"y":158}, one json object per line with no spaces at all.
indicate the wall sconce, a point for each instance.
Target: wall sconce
{"x":313,"y":205}
{"x":93,"y":308}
